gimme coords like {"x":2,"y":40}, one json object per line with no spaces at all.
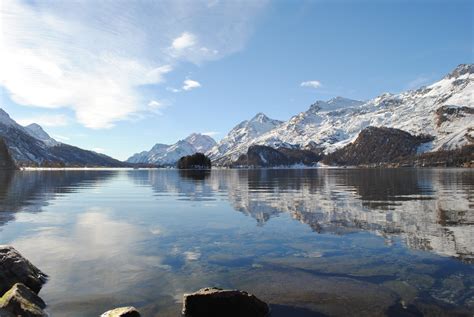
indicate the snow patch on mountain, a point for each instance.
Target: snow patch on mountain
{"x":202,"y":143}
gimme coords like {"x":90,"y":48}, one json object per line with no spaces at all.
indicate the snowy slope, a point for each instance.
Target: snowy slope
{"x":202,"y":143}
{"x":36,"y":131}
{"x":337,"y":122}
{"x":242,"y":135}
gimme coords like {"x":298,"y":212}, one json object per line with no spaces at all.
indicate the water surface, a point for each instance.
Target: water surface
{"x":367,"y":242}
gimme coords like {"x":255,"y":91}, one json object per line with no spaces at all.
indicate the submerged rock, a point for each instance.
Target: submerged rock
{"x":210,"y":302}
{"x":22,"y":301}
{"x":122,"y":312}
{"x":14,"y":268}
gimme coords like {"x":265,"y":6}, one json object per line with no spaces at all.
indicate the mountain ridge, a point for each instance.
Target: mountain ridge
{"x":164,"y":154}
{"x":32,"y":146}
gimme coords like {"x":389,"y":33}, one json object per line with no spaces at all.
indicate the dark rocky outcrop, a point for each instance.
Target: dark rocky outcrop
{"x":377,"y":146}
{"x":122,"y":312}
{"x":449,"y":113}
{"x":6,"y":161}
{"x":214,"y":302}
{"x":14,"y":268}
{"x":22,"y":301}
{"x":463,"y":157}
{"x":195,"y":161}
{"x":265,"y":156}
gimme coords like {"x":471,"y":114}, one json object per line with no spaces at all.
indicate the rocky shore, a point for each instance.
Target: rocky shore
{"x":21,"y":282}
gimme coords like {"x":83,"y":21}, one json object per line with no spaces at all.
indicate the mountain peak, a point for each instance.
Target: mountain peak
{"x":201,"y":142}
{"x":460,"y":70}
{"x":260,"y":117}
{"x":5,"y":118}
{"x":334,"y":104}
{"x":36,"y":131}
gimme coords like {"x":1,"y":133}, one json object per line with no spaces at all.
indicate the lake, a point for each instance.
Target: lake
{"x":310,"y":242}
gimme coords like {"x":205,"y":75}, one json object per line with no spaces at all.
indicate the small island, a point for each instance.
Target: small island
{"x":196,"y":161}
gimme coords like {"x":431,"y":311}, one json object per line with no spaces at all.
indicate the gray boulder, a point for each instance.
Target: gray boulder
{"x":122,"y":312}
{"x":210,"y":302}
{"x":14,"y":268}
{"x":21,"y":301}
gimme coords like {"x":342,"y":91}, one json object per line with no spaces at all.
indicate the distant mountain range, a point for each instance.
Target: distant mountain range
{"x":433,"y":119}
{"x":443,"y":110}
{"x":32,"y":146}
{"x":163,"y":154}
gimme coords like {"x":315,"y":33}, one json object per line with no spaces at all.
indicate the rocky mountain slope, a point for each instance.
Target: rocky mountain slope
{"x":265,"y":156}
{"x":377,"y":145}
{"x":444,"y":110}
{"x":32,"y":146}
{"x":163,"y":154}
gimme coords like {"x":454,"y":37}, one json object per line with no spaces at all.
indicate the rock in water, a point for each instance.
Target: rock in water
{"x":21,"y":301}
{"x":14,"y":268}
{"x":214,"y":302}
{"x":122,"y":312}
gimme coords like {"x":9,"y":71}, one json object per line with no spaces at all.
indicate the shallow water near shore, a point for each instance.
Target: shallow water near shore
{"x":337,"y":242}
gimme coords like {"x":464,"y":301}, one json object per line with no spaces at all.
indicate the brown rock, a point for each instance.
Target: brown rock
{"x":213,"y":302}
{"x":122,"y":312}
{"x":21,"y":301}
{"x":14,"y":268}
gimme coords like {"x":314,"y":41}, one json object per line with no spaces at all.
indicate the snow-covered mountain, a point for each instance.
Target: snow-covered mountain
{"x":444,"y":110}
{"x":36,"y":131}
{"x":32,"y":146}
{"x":242,"y":135}
{"x":163,"y":154}
{"x":202,"y":143}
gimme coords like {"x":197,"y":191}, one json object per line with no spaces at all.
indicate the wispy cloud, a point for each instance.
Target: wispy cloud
{"x":189,"y":84}
{"x":157,"y":106}
{"x":418,"y":82}
{"x":45,"y":120}
{"x":311,"y":84}
{"x":61,"y":137}
{"x":211,"y":133}
{"x":92,"y":57}
{"x":99,"y":150}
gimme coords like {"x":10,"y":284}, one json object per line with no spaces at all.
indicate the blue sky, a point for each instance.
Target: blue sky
{"x":120,"y":76}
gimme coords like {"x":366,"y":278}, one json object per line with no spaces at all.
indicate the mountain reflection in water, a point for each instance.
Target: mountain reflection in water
{"x":364,"y":242}
{"x":430,"y":209}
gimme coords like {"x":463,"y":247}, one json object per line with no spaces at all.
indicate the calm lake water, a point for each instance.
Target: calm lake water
{"x":366,"y":242}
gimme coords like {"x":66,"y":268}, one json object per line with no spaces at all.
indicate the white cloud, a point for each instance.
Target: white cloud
{"x":99,"y":150}
{"x":189,"y":84}
{"x":157,"y":106}
{"x":93,"y":57}
{"x":185,"y":40}
{"x":211,"y":133}
{"x":61,"y":137}
{"x":311,"y":84}
{"x":45,"y":120}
